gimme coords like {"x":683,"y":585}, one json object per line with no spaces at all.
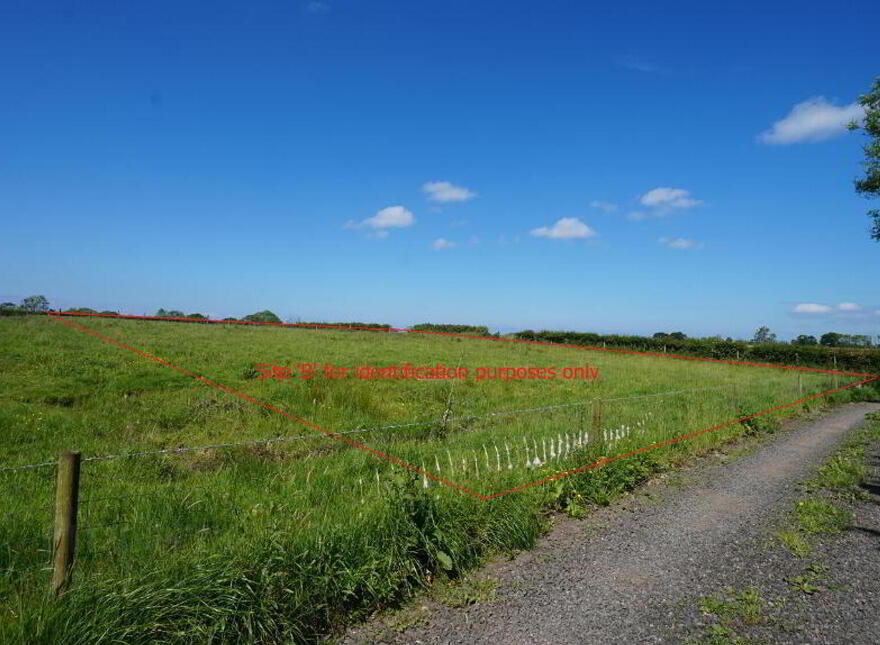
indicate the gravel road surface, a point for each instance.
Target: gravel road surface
{"x":632,"y":572}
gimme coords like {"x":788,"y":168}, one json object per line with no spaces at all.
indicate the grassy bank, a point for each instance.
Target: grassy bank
{"x":278,"y":541}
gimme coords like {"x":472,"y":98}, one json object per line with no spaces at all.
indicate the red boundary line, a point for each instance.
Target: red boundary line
{"x":246,"y":397}
{"x":57,"y":316}
{"x":453,"y":335}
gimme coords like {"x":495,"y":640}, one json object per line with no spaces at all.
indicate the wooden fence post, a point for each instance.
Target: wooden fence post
{"x":66,"y":502}
{"x":598,"y":436}
{"x":834,"y":358}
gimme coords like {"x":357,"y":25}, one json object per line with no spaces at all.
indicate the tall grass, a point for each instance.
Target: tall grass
{"x":287,"y":541}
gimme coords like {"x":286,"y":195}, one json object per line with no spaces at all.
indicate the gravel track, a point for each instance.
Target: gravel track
{"x":630,"y":573}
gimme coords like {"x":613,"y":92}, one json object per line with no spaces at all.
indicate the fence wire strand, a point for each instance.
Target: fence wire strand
{"x":254,"y":442}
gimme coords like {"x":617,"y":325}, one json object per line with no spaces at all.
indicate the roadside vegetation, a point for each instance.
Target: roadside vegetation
{"x":823,"y":509}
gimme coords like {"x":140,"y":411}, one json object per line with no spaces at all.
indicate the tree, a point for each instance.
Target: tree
{"x":831,"y":339}
{"x":169,"y":313}
{"x":35,"y":304}
{"x":763,"y":335}
{"x":9,"y":305}
{"x":197,"y":317}
{"x":678,"y":335}
{"x":660,"y":335}
{"x":805,"y":340}
{"x":869,"y":186}
{"x":262,"y":316}
{"x":853,"y":340}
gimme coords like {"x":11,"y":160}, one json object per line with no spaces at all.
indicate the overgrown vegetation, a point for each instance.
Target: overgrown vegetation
{"x":287,"y":541}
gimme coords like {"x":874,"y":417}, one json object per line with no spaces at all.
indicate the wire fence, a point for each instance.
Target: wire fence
{"x":116,"y":509}
{"x":411,"y":424}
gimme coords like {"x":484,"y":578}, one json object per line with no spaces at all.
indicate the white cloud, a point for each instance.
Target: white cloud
{"x":816,"y":119}
{"x":669,"y":198}
{"x":636,"y":216}
{"x":378,"y":235}
{"x":315,"y":7}
{"x":605,"y":207}
{"x":811,"y":308}
{"x":443,"y":192}
{"x":390,"y":217}
{"x":679,"y":243}
{"x":849,"y":306}
{"x":442,"y":243}
{"x":567,"y":228}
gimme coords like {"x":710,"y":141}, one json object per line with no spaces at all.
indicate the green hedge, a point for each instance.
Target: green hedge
{"x":355,"y":325}
{"x":849,"y":360}
{"x":476,"y":330}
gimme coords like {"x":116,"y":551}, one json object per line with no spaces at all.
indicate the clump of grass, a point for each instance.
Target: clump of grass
{"x":714,"y":606}
{"x":819,"y":516}
{"x":843,"y":472}
{"x":733,"y":610}
{"x":721,"y":635}
{"x":751,"y":606}
{"x":796,"y":543}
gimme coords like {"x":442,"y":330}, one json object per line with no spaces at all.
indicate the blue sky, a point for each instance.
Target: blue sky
{"x":629,"y":168}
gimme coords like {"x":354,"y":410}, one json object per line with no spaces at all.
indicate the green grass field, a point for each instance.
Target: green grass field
{"x":280,"y":541}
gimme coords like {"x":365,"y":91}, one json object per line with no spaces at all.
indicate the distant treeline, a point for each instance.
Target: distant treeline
{"x":846,"y":359}
{"x":353,"y":325}
{"x":831,"y":351}
{"x":475,"y":330}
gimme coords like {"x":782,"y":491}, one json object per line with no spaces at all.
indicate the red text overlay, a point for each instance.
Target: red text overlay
{"x":408,"y":371}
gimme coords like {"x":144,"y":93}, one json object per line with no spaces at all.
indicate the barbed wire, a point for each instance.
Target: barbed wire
{"x":589,"y":402}
{"x":253,"y":442}
{"x":26,"y":466}
{"x":271,"y":440}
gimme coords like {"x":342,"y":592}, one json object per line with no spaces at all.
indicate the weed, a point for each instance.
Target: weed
{"x":720,"y":635}
{"x":796,"y":543}
{"x":712,"y":606}
{"x":750,"y":606}
{"x":806,"y":582}
{"x":818,"y":516}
